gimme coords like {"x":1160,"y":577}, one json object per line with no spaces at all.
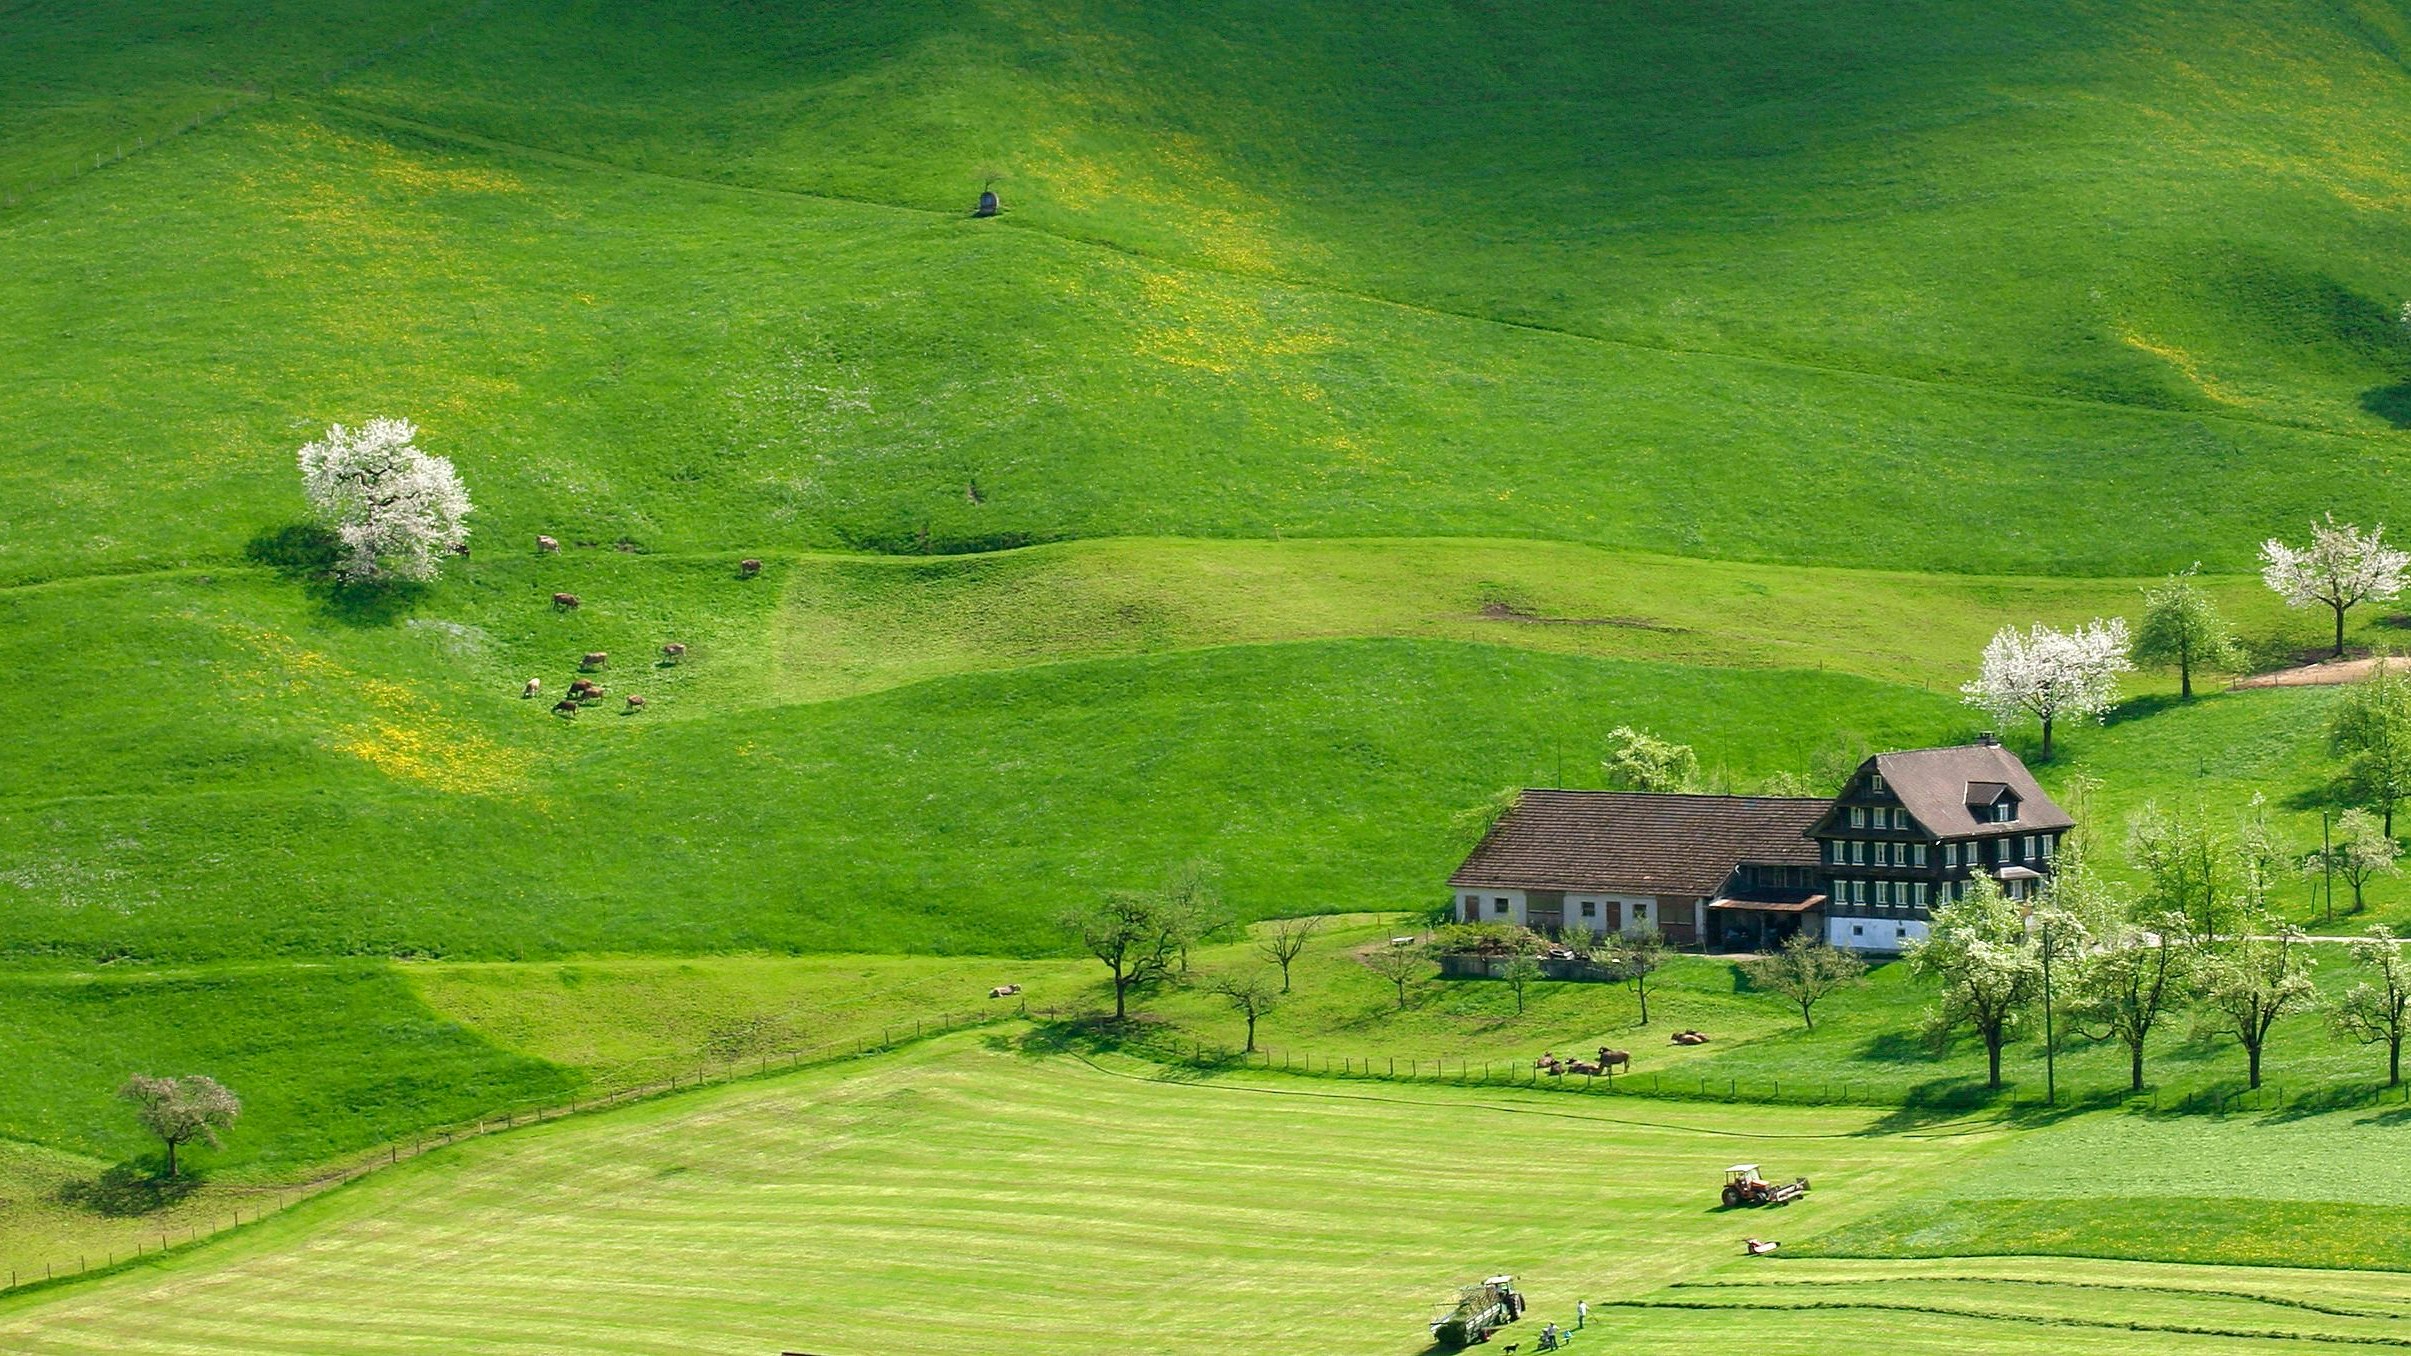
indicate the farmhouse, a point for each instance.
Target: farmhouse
{"x":1864,"y":868}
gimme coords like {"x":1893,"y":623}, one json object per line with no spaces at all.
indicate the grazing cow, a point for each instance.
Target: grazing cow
{"x":534,"y":686}
{"x":546,"y":544}
{"x":579,"y":687}
{"x":594,"y":659}
{"x":748,"y":568}
{"x":673,"y":652}
{"x":1609,"y":1059}
{"x":566,"y":602}
{"x":565,"y":707}
{"x":635,"y":703}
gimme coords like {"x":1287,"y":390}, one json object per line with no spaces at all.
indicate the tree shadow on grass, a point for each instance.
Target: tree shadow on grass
{"x":126,"y":1192}
{"x":2146,"y":706}
{"x":306,"y":554}
{"x":2390,"y":403}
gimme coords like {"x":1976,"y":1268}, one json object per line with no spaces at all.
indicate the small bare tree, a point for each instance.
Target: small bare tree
{"x":1805,"y":970}
{"x":2375,"y":1013}
{"x":1251,"y":995}
{"x":1400,"y":965}
{"x":181,"y":1110}
{"x":1521,"y":973}
{"x":1285,"y":940}
{"x":1640,"y":955}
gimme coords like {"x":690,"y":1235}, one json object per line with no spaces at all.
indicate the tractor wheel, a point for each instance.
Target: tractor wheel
{"x":1732,"y":1197}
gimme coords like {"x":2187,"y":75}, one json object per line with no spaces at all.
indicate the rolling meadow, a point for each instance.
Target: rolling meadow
{"x":1354,"y":411}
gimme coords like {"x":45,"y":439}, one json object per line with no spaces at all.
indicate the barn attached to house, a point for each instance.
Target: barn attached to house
{"x":1629,"y":861}
{"x":1863,"y":869}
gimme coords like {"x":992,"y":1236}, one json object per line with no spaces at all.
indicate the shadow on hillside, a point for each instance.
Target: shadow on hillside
{"x":2390,"y":403}
{"x":306,"y":554}
{"x":2144,"y":707}
{"x":126,"y":1192}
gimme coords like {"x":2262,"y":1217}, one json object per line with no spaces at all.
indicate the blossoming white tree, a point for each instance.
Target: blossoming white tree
{"x":2341,"y":567}
{"x":396,"y":508}
{"x":2048,"y":673}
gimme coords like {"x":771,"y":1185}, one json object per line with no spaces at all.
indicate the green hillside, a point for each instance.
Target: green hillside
{"x":1358,"y":408}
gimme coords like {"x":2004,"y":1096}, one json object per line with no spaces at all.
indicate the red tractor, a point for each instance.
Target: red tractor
{"x":1743,"y":1186}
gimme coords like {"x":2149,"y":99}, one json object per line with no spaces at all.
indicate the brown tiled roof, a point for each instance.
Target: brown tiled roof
{"x":1937,"y":785}
{"x":1639,"y":843}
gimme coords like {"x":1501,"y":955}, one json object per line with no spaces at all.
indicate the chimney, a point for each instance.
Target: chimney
{"x":1989,"y":740}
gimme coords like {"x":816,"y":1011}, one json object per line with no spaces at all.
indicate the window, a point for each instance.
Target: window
{"x":1898,"y":933}
{"x":1640,"y":913}
{"x":1498,"y":906}
{"x":1858,"y":816}
{"x":2050,"y":845}
{"x":1858,"y":854}
{"x":1590,"y":908}
{"x":1834,"y":851}
{"x":2026,"y":848}
{"x":1921,"y":896}
{"x":1950,"y":854}
{"x":1919,"y":853}
{"x":1857,"y":931}
{"x":1883,"y":894}
{"x":1875,"y":780}
{"x":2000,"y":812}
{"x":1858,"y":892}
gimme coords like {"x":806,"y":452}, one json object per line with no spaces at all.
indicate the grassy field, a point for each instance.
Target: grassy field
{"x":1358,"y":409}
{"x":1103,"y":1199}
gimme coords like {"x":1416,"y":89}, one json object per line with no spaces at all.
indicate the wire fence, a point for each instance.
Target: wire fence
{"x":1707,"y":1086}
{"x":268,"y":1200}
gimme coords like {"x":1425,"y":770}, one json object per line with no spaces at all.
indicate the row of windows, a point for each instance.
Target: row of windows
{"x":2029,"y":848}
{"x":1879,"y":817}
{"x":1857,"y":853}
{"x":1590,"y":908}
{"x":1908,"y":894}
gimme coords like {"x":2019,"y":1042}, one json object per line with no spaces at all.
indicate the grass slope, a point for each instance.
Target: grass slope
{"x":949,"y":816}
{"x":1050,"y":1200}
{"x":962,"y":1197}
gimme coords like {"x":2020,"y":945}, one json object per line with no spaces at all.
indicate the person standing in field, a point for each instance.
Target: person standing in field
{"x":1582,"y":1314}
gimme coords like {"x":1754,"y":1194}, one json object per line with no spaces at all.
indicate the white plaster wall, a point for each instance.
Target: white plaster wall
{"x":1875,"y":934}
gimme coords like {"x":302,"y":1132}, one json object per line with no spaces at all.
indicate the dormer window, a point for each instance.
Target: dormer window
{"x":1875,"y":782}
{"x":2001,"y":811}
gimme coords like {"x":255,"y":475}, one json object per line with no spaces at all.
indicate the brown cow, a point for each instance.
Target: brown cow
{"x":748,"y":568}
{"x":565,"y":707}
{"x":1609,"y":1059}
{"x":594,"y":659}
{"x":673,"y":652}
{"x":544,"y":543}
{"x":565,"y":601}
{"x":635,"y":703}
{"x":1583,"y":1067}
